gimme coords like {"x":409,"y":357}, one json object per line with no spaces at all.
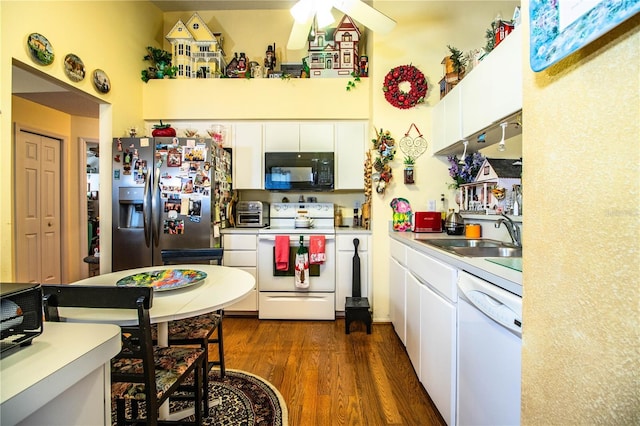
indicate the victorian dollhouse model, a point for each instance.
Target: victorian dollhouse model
{"x":197,"y":52}
{"x":334,"y":51}
{"x":494,"y":188}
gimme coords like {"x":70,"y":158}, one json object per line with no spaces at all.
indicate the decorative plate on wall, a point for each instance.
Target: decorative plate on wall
{"x":74,"y":67}
{"x":40,"y":49}
{"x":101,"y":81}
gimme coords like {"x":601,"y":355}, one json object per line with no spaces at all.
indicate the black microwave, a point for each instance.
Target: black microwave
{"x":298,"y":171}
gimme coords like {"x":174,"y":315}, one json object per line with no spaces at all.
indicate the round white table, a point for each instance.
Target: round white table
{"x":222,"y":287}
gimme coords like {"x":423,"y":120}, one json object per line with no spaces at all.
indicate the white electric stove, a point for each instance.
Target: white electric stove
{"x":278,"y":296}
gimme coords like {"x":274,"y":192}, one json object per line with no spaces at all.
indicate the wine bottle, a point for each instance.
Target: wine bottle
{"x":302,"y":265}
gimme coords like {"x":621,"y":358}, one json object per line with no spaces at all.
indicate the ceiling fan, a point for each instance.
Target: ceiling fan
{"x":318,"y":13}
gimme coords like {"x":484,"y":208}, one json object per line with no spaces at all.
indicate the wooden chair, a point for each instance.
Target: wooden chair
{"x":198,"y":330}
{"x":140,"y":372}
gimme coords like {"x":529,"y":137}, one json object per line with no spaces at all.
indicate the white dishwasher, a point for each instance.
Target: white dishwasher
{"x":489,"y":354}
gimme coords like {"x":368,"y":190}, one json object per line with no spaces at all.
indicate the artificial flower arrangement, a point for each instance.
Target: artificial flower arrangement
{"x":384,"y":143}
{"x":465,"y":172}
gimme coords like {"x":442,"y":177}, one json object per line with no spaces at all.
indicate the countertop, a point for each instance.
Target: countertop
{"x":502,"y":276}
{"x":55,"y":361}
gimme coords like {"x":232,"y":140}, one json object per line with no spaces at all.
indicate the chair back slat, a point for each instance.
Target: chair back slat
{"x":199,"y":255}
{"x":136,"y":340}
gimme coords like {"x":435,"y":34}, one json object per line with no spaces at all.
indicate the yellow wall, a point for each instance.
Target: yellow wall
{"x":581,"y":276}
{"x":108,"y":35}
{"x":51,"y":122}
{"x":420,"y":38}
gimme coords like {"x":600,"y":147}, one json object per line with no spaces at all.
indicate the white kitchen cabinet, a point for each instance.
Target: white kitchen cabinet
{"x":281,"y":137}
{"x":507,"y":83}
{"x":240,"y":251}
{"x":412,"y":319}
{"x":437,"y":297}
{"x":476,"y":85}
{"x":350,"y":151}
{"x":397,"y":287}
{"x":447,"y":120}
{"x":316,"y":137}
{"x":438,"y":351}
{"x":493,"y":89}
{"x":247,"y":156}
{"x":397,"y":298}
{"x":344,"y":268}
{"x":488,"y":93}
{"x":298,"y":137}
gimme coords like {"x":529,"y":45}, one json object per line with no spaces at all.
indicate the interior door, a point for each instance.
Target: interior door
{"x":37,"y":201}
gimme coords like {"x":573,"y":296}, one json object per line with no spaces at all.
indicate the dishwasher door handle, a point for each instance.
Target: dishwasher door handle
{"x":495,"y":310}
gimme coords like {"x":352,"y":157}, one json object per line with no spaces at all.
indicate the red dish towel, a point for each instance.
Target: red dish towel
{"x":282,"y":252}
{"x":316,"y":249}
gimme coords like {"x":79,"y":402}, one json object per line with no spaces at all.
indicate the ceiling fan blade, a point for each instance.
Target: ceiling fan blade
{"x":298,"y":37}
{"x":366,"y":15}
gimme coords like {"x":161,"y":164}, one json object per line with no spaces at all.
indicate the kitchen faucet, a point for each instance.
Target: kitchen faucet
{"x":514,"y":231}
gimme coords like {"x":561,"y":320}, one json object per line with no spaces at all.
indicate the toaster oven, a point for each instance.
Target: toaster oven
{"x":252,"y":214}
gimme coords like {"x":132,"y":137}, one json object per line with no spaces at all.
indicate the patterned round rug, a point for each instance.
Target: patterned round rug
{"x":246,"y":400}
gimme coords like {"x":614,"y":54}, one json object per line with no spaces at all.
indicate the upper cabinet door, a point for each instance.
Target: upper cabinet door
{"x":316,"y":137}
{"x":350,"y":154}
{"x":247,"y":156}
{"x":507,"y":62}
{"x":281,"y":137}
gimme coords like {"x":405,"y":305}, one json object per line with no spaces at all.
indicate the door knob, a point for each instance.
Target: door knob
{"x":49,"y":224}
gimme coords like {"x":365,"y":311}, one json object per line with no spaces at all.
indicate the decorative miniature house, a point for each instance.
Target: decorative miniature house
{"x":197,"y":52}
{"x":334,"y":51}
{"x":492,"y":190}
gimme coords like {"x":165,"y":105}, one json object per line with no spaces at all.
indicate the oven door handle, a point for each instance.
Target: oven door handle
{"x":272,"y":237}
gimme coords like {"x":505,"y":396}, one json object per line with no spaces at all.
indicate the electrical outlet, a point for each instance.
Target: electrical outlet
{"x":432,"y":205}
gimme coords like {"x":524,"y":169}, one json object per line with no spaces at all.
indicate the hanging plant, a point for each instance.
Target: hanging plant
{"x":356,"y":79}
{"x":396,"y":81}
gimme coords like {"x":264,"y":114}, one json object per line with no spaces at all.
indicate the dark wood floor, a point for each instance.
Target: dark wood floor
{"x":328,"y":377}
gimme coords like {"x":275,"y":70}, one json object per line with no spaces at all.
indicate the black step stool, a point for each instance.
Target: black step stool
{"x":357,"y":309}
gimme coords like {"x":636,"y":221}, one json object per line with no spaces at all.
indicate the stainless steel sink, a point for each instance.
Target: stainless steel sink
{"x":475,"y":247}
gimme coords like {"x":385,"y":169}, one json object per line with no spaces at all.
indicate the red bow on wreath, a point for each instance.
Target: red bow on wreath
{"x":399,"y":98}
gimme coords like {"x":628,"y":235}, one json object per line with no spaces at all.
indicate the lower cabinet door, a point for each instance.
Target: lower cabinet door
{"x":413,"y":320}
{"x":438,"y":351}
{"x":397,"y":290}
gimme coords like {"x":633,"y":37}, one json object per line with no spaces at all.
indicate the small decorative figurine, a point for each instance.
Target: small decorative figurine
{"x":270,"y":59}
{"x":364,"y":66}
{"x":401,"y":214}
{"x":242,"y":65}
{"x":232,"y":68}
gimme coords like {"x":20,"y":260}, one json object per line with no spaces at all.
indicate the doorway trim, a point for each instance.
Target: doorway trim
{"x":64,"y":193}
{"x":82,"y":193}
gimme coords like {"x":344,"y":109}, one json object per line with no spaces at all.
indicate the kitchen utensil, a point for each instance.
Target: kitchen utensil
{"x":454,"y":224}
{"x":355,"y":279}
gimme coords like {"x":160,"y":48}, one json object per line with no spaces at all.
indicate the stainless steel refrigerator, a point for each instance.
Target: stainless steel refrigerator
{"x":167,"y":193}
